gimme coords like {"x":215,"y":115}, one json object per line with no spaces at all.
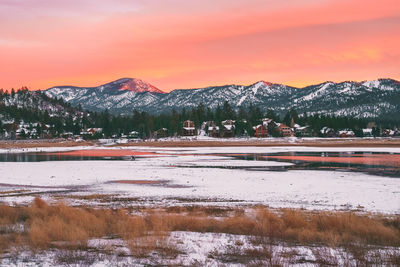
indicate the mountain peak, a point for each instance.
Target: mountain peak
{"x":263,"y":83}
{"x":135,"y":85}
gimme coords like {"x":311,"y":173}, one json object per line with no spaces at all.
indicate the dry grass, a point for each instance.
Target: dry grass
{"x":265,"y":255}
{"x":42,"y":143}
{"x":380,"y":142}
{"x":302,"y":227}
{"x":46,"y":226}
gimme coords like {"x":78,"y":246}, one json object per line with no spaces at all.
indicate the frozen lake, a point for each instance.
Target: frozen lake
{"x":365,"y":179}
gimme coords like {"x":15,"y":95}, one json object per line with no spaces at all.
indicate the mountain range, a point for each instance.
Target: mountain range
{"x":377,"y":98}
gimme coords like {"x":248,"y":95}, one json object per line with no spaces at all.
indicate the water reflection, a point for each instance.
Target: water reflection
{"x":377,"y":163}
{"x":40,"y":156}
{"x":386,"y":164}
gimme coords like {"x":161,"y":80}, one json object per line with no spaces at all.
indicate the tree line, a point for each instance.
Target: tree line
{"x":147,"y":124}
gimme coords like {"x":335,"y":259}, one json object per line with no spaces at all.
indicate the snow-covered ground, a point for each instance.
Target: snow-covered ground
{"x":198,"y":249}
{"x":193,"y":175}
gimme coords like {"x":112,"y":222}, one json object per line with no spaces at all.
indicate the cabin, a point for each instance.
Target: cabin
{"x":93,"y":131}
{"x":228,"y":128}
{"x":213,"y":129}
{"x":367,"y":132}
{"x":303,"y":131}
{"x":21,"y":133}
{"x":67,"y":135}
{"x":285,"y":130}
{"x":188,"y":128}
{"x":267,"y":121}
{"x":346,"y":133}
{"x":78,"y":138}
{"x":10,"y":128}
{"x":261,"y":130}
{"x":387,"y":133}
{"x":133,"y":135}
{"x":327,"y":132}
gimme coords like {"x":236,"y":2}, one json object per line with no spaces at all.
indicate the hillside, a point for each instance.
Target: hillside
{"x":35,"y":114}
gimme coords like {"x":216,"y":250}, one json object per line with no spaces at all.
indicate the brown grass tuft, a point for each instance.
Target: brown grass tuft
{"x":59,"y":225}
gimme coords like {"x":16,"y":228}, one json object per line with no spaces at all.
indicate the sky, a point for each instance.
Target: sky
{"x":177,"y":44}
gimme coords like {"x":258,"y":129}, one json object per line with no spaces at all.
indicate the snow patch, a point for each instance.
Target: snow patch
{"x":241,"y":100}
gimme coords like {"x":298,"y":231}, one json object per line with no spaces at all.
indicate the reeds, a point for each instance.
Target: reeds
{"x":46,"y":226}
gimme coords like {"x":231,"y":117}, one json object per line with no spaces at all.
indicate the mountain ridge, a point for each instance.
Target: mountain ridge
{"x":128,"y":84}
{"x":348,"y":98}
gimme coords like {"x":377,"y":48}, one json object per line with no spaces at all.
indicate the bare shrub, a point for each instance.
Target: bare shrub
{"x":142,"y":247}
{"x":266,"y":255}
{"x":324,"y":257}
{"x":75,"y":257}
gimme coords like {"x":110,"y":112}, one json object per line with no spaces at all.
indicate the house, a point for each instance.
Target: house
{"x":188,"y":128}
{"x":266,"y":121}
{"x":67,"y":135}
{"x":387,"y":133}
{"x":367,"y":132}
{"x":46,"y":131}
{"x":78,"y":138}
{"x":90,"y":132}
{"x":21,"y":133}
{"x":284,"y":130}
{"x":133,"y":134}
{"x":346,"y":133}
{"x":10,"y":128}
{"x":228,"y":128}
{"x":213,"y":129}
{"x":261,"y":130}
{"x":93,"y":131}
{"x":303,"y":131}
{"x":327,"y":132}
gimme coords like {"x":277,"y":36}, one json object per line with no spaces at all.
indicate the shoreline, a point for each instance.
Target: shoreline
{"x":271,"y":143}
{"x":267,"y":142}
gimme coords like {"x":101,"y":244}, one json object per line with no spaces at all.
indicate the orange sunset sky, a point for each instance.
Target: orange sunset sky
{"x":185,"y":44}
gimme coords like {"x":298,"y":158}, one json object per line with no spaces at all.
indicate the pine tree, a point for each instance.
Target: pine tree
{"x":272,"y":115}
{"x":227,"y":112}
{"x":242,"y":113}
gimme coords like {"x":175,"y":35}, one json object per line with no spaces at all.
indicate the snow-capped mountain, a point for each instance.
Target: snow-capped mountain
{"x":119,"y":96}
{"x":358,"y":99}
{"x":134,"y":85}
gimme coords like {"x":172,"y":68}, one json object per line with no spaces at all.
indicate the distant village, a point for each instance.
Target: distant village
{"x":32,"y":115}
{"x":266,"y":128}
